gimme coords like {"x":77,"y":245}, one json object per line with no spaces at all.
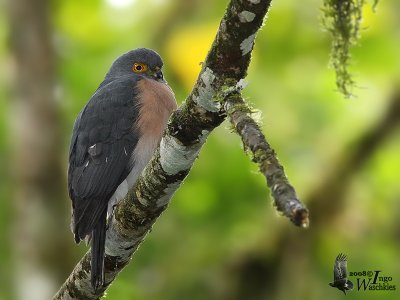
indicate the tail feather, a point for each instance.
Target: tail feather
{"x":97,"y":259}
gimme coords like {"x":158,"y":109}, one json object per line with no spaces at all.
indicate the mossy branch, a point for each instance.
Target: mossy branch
{"x":284,"y":195}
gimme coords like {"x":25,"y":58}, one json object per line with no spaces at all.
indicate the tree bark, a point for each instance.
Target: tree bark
{"x":284,"y":195}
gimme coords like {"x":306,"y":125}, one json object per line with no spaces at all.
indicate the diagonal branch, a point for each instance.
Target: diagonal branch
{"x":327,"y":202}
{"x":284,"y":195}
{"x":187,"y":130}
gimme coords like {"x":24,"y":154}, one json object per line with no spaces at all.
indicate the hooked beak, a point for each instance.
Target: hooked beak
{"x":158,"y":75}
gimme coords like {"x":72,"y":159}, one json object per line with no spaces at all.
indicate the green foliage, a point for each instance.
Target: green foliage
{"x":342,"y":18}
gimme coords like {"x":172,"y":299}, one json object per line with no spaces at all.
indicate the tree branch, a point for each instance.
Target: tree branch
{"x":187,"y":130}
{"x":260,"y":269}
{"x":284,"y":195}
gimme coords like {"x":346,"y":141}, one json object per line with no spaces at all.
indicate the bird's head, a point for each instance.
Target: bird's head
{"x":141,"y":62}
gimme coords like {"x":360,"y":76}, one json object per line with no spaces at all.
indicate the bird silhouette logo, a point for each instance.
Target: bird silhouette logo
{"x":340,"y":280}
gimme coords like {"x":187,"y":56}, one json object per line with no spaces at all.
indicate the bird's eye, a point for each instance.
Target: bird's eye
{"x":139,"y":68}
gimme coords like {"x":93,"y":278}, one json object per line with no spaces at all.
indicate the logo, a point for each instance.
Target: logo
{"x":372,"y":280}
{"x":340,"y":280}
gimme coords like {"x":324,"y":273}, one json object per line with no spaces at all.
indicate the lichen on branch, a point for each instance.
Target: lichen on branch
{"x":283,"y":193}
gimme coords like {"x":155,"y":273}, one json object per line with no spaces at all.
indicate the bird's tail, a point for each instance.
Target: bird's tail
{"x":97,"y":262}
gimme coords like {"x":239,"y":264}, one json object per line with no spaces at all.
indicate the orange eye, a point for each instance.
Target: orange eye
{"x":139,"y":68}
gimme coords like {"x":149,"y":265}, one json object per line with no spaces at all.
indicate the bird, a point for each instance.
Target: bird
{"x":340,"y":280}
{"x":113,"y":138}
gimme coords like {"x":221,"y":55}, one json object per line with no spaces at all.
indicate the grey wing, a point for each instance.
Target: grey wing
{"x":100,"y":153}
{"x":340,"y":268}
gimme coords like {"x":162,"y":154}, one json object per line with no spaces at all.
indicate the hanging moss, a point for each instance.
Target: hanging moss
{"x":342,"y":18}
{"x":374,"y":4}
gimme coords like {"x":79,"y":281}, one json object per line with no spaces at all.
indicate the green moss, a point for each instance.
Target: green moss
{"x":342,"y":18}
{"x":259,"y":156}
{"x":374,"y":4}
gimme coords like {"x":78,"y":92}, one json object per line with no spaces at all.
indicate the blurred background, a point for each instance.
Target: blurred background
{"x":220,"y":238}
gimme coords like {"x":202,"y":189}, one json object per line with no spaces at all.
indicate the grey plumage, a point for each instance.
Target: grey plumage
{"x":104,"y":138}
